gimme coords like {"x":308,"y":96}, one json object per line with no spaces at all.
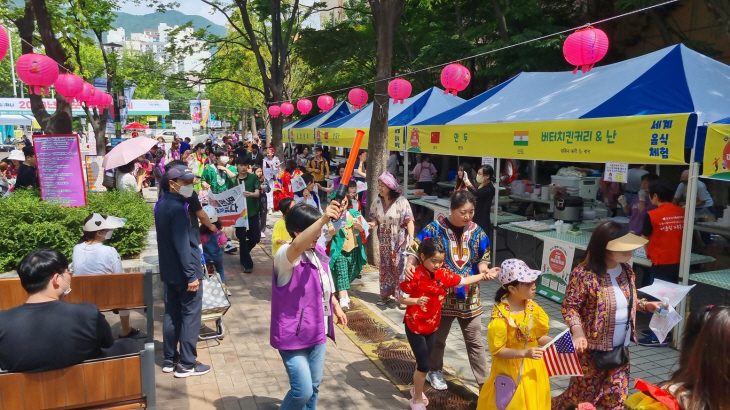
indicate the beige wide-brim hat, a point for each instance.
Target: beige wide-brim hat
{"x":628,"y":242}
{"x":17,"y":155}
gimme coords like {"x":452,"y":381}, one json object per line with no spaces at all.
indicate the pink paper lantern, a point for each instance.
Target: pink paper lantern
{"x":38,"y":71}
{"x":69,"y":86}
{"x":97,"y":101}
{"x":287,"y":109}
{"x":399,"y":89}
{"x":455,"y":78}
{"x":357,"y":97}
{"x":304,"y":106}
{"x":274,"y":111}
{"x":87,"y":94}
{"x":585,"y":47}
{"x":4,"y":43}
{"x":325,"y":103}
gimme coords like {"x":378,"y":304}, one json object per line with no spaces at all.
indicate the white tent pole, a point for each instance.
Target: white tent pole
{"x":12,"y":64}
{"x":493,"y":243}
{"x":405,"y":164}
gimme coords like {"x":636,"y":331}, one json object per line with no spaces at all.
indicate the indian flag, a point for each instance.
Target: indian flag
{"x":521,"y":138}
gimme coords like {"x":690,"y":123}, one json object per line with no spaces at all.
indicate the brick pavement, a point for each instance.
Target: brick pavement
{"x":248,"y":373}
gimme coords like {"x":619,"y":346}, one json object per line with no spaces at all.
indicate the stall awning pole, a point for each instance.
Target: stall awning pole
{"x":493,"y":243}
{"x":405,"y":172}
{"x":687,"y":235}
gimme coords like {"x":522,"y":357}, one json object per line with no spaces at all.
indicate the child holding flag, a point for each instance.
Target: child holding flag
{"x":427,"y":290}
{"x":517,"y":330}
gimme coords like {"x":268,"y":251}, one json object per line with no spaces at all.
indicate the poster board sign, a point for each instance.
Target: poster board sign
{"x":716,"y":159}
{"x":231,"y":206}
{"x":642,"y":139}
{"x":616,"y":172}
{"x":488,"y":161}
{"x":557,"y":262}
{"x":94,"y":173}
{"x":116,"y":141}
{"x":60,"y":171}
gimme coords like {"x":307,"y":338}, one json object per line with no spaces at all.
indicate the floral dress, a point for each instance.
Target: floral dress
{"x":392,"y":233}
{"x":512,"y":330}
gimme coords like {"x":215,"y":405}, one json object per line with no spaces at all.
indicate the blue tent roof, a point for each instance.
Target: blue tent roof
{"x":338,"y":111}
{"x":672,"y":80}
{"x":419,"y":107}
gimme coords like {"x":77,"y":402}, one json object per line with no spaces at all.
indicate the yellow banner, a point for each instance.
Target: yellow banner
{"x":716,"y":161}
{"x":301,"y":136}
{"x":645,"y":139}
{"x":344,"y":137}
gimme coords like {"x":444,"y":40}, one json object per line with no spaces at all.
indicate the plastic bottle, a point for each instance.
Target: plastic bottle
{"x":664,"y":309}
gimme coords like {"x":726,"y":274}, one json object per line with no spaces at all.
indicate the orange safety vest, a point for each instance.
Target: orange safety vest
{"x":665,"y":242}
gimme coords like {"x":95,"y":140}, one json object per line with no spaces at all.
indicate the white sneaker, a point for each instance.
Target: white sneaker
{"x":436,"y":378}
{"x":229,"y":247}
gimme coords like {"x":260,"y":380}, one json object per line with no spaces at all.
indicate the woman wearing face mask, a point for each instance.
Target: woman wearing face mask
{"x":218,"y":176}
{"x":600,"y":307}
{"x":484,"y":194}
{"x":92,"y":257}
{"x":467,"y":254}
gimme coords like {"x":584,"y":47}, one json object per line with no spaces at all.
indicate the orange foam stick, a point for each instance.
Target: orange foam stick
{"x":353,"y":157}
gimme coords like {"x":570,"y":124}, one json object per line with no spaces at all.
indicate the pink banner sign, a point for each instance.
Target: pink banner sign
{"x":59,"y":169}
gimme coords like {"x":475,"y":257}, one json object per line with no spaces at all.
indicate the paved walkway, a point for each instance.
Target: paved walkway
{"x":248,"y":373}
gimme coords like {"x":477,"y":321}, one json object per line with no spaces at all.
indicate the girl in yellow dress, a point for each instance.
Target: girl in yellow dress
{"x":517,"y":319}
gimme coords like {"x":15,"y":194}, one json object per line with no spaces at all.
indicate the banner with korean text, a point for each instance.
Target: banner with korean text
{"x":231,"y":206}
{"x":60,"y":172}
{"x":344,"y":137}
{"x":644,"y":139}
{"x":716,"y":161}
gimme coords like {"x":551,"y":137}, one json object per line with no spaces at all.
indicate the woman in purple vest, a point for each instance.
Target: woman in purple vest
{"x":303,"y":304}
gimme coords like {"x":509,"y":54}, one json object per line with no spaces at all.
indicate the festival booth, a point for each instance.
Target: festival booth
{"x":644,"y":110}
{"x":302,"y":132}
{"x":341,"y":133}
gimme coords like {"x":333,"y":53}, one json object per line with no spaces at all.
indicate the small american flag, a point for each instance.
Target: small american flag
{"x":560,"y":357}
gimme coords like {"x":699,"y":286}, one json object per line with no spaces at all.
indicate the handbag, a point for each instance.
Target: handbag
{"x":215,"y":300}
{"x":619,"y":355}
{"x":504,"y":386}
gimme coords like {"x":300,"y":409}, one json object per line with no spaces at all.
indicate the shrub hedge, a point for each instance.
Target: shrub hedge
{"x":27,"y":223}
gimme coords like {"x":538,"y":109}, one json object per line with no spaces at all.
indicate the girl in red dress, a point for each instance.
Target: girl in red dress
{"x":427,"y":290}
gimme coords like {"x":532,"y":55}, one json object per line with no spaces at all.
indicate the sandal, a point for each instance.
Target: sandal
{"x":132,"y":332}
{"x":423,"y":394}
{"x":417,"y":406}
{"x":382,"y":302}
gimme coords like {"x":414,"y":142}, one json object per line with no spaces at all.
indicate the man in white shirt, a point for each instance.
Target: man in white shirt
{"x":633,"y":181}
{"x":392,"y":164}
{"x":704,"y":207}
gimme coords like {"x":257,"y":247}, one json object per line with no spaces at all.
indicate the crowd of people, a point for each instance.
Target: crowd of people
{"x":318,"y":250}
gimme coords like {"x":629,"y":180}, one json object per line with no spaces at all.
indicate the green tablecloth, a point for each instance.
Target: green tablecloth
{"x":717,"y":278}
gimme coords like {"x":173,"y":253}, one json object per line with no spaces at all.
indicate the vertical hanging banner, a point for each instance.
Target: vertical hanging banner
{"x":205,"y":113}
{"x":195,"y":112}
{"x":60,"y":171}
{"x":557,"y":262}
{"x":94,"y":173}
{"x":716,"y":160}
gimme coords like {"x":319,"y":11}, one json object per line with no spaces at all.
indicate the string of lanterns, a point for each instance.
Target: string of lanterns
{"x":583,"y":49}
{"x":40,"y":72}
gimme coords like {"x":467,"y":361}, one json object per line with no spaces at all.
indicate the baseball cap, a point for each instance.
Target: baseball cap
{"x":517,"y":270}
{"x":180,"y":172}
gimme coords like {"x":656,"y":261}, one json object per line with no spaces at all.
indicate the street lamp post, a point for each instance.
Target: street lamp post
{"x":117,"y":98}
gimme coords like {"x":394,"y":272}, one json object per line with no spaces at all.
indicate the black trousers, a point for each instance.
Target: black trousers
{"x":422,"y":345}
{"x":427,"y":187}
{"x":181,"y":324}
{"x":247,"y":240}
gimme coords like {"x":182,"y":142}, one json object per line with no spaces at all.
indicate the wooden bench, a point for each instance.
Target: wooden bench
{"x":119,"y":383}
{"x":107,"y":292}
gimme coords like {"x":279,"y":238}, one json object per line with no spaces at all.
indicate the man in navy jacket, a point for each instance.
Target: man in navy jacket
{"x":181,"y":273}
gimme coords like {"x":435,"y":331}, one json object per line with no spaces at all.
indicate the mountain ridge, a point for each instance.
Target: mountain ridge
{"x":137,"y":23}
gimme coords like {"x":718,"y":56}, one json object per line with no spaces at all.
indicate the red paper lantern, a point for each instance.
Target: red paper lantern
{"x":357,"y":97}
{"x":38,"y":71}
{"x":585,"y":47}
{"x":287,"y":109}
{"x":304,"y":106}
{"x":455,"y":78}
{"x":87,"y":94}
{"x":399,"y":89}
{"x":325,"y":103}
{"x":274,"y":111}
{"x":4,"y":42}
{"x":69,"y":86}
